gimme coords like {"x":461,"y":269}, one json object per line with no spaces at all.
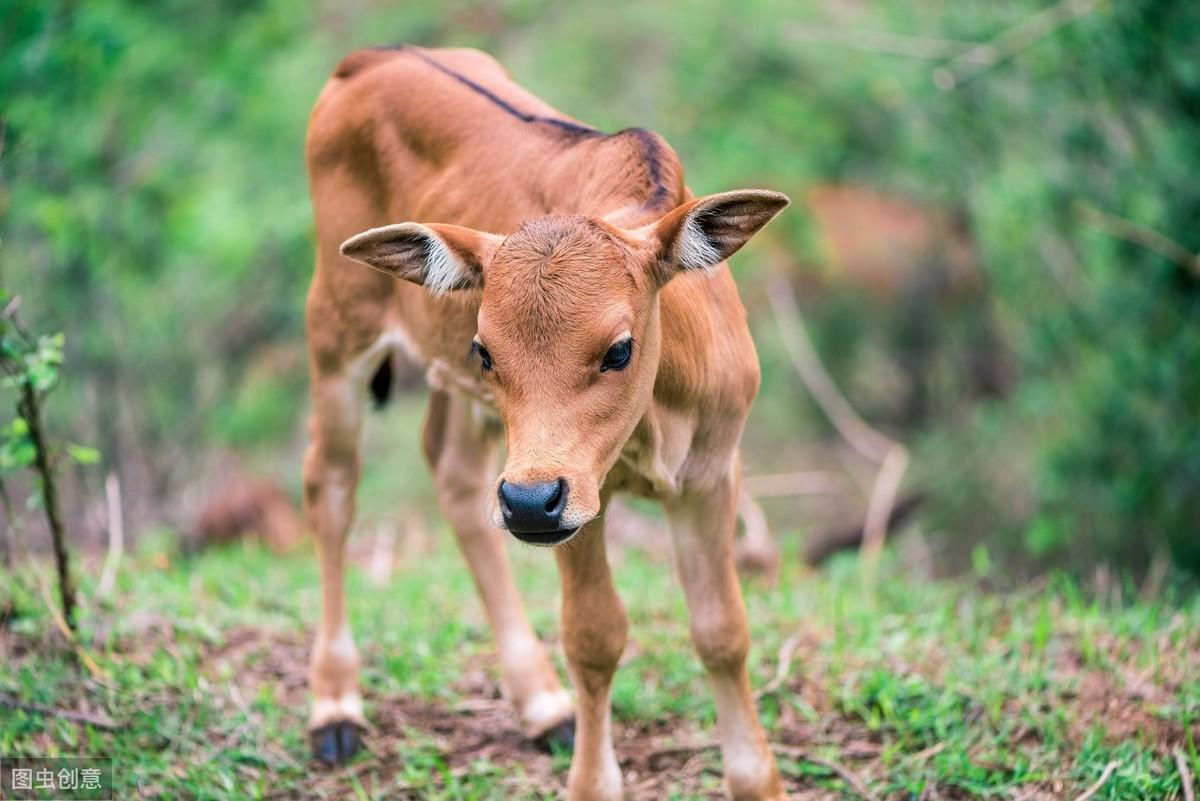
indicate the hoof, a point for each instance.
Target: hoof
{"x":334,"y":743}
{"x":559,"y":739}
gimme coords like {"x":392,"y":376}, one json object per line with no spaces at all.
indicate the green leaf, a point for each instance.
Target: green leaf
{"x":82,"y":454}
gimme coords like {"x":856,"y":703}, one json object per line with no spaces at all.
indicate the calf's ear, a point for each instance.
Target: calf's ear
{"x":439,"y":257}
{"x":703,"y":232}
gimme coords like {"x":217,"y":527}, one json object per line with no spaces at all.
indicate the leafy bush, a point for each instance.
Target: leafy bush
{"x":153,"y":187}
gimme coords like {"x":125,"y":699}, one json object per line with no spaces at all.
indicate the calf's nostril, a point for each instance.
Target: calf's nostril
{"x":556,"y":501}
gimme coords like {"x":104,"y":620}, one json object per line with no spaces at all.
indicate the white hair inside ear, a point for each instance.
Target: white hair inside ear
{"x":693,"y":251}
{"x":443,"y":270}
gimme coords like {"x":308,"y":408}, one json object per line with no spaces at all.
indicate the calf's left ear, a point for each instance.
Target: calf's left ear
{"x":702,"y":233}
{"x":436,"y":256}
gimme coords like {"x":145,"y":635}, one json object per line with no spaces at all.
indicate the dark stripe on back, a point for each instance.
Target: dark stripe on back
{"x":573,"y":128}
{"x":651,"y":157}
{"x":646,"y":140}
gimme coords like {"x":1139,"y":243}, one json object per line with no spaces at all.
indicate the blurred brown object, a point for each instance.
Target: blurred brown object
{"x":890,"y":246}
{"x":250,"y":507}
{"x":919,"y":263}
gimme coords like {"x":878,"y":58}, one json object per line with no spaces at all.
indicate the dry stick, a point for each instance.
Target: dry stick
{"x":1139,"y":234}
{"x":848,"y":776}
{"x":1095,"y":788}
{"x":782,"y":669}
{"x":864,"y":439}
{"x":805,"y":482}
{"x":100,"y":722}
{"x":891,"y":456}
{"x":116,"y":535}
{"x":29,"y":408}
{"x":1185,"y":776}
{"x":1022,"y":36}
{"x":10,"y":527}
{"x":883,"y":499}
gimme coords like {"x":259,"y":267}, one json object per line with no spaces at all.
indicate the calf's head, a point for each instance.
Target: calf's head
{"x":568,"y":334}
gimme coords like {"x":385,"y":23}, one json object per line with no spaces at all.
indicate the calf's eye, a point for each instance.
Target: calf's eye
{"x":618,"y":356}
{"x":485,"y":358}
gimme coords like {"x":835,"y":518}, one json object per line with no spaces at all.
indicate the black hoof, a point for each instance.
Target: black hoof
{"x":336,"y":742}
{"x":558,"y":740}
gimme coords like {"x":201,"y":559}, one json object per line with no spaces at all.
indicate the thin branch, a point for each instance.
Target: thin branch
{"x":1144,"y":236}
{"x":890,"y":455}
{"x":782,"y":669}
{"x":99,"y":721}
{"x":860,"y":436}
{"x":847,"y":775}
{"x":29,"y":407}
{"x":883,"y":499}
{"x":116,"y":535}
{"x":791,"y":752}
{"x":1095,"y":788}
{"x":1021,"y":36}
{"x":1185,"y":776}
{"x":806,"y":482}
{"x":10,"y":527}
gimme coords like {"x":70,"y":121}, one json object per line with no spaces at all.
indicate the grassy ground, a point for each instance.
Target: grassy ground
{"x":920,"y":690}
{"x":914,"y":689}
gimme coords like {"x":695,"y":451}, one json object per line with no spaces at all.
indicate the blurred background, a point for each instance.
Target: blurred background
{"x":992,"y":245}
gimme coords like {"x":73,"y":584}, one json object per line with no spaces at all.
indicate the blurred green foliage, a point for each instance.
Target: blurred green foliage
{"x":154,"y":206}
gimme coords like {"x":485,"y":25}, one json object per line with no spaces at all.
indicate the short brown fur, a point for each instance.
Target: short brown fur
{"x":545,"y":243}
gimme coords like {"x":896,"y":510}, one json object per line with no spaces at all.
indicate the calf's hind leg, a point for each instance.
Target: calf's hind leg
{"x":331,"y":467}
{"x":702,"y":530}
{"x":460,"y":454}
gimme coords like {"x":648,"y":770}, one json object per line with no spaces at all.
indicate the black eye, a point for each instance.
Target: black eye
{"x":618,"y":356}
{"x":485,"y":358}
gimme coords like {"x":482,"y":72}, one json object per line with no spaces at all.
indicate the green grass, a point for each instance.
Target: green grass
{"x":913,"y":685}
{"x":922,"y":689}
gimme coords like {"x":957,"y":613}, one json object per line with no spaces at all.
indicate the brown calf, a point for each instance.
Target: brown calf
{"x":568,"y":281}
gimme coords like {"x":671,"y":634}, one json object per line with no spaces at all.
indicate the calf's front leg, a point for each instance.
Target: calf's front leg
{"x":594,"y":632}
{"x":331,"y":467}
{"x":702,"y":530}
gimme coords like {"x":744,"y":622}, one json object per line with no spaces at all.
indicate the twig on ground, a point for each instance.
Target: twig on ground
{"x":1095,"y":788}
{"x":883,"y":499}
{"x":782,"y":668}
{"x":890,"y":455}
{"x":925,"y":754}
{"x":116,"y":536}
{"x":679,"y":750}
{"x":1185,"y":776}
{"x":98,"y":721}
{"x":847,"y":775}
{"x":1144,"y":236}
{"x":1022,"y":36}
{"x":805,"y":482}
{"x":860,"y":436}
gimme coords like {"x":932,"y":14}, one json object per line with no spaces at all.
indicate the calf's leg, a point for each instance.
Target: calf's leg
{"x":594,"y":631}
{"x":702,"y":531}
{"x":331,"y":467}
{"x":460,"y":454}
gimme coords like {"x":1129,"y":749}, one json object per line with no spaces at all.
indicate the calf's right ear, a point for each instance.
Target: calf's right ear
{"x":705,"y":231}
{"x":439,"y":257}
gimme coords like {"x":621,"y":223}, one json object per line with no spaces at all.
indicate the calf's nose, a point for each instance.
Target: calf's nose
{"x":533,"y":508}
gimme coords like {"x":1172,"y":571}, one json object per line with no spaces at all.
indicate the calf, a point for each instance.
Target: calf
{"x":567,"y":281}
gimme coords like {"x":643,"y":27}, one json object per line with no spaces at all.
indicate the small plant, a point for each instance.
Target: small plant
{"x":31,"y":365}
